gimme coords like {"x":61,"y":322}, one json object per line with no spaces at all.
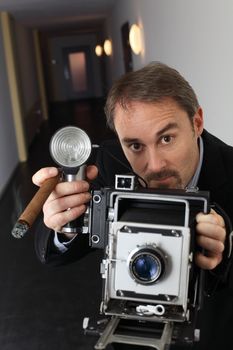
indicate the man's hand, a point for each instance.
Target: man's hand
{"x":73,"y":195}
{"x":211,"y":235}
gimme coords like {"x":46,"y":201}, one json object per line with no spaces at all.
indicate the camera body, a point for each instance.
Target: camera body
{"x":148,"y":238}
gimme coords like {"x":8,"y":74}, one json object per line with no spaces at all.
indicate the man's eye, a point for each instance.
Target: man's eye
{"x":166,"y":139}
{"x":136,"y":147}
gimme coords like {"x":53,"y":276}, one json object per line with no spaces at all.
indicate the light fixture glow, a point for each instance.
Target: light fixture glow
{"x":98,"y":50}
{"x":108,"y":47}
{"x":135,"y":39}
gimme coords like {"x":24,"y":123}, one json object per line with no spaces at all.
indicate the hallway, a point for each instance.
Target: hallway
{"x":42,"y":307}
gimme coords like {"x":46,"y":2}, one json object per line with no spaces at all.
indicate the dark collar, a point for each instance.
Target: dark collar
{"x":213,"y":174}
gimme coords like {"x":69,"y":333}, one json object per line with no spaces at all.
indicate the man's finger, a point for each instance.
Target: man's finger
{"x":43,"y":174}
{"x":212,"y":217}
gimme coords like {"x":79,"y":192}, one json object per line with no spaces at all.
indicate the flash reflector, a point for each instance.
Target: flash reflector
{"x":70,"y":147}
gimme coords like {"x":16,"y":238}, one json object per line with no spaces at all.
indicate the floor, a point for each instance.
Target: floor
{"x":42,"y":307}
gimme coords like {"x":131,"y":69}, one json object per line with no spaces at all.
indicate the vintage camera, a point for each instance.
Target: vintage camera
{"x":152,"y":289}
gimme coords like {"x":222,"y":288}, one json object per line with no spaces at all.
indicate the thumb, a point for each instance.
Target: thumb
{"x":91,"y":172}
{"x":43,"y":174}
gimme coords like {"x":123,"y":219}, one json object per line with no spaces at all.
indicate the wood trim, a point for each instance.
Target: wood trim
{"x":40,"y":75}
{"x":16,"y":102}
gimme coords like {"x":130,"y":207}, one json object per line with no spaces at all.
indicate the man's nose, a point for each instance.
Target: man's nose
{"x":155,"y":160}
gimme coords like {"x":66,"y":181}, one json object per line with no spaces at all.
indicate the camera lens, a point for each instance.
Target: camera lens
{"x":147,"y":265}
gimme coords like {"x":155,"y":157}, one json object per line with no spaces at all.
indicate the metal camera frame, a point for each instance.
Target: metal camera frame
{"x":165,"y":307}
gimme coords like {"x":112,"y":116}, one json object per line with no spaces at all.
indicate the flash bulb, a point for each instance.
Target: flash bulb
{"x":70,"y":147}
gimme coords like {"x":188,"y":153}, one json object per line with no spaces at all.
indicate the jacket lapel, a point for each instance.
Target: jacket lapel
{"x":213,"y":175}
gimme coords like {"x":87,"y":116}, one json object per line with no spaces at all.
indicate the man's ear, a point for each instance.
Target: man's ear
{"x":198,"y":122}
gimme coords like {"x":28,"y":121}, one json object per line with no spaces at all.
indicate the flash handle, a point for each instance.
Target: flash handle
{"x":74,"y":226}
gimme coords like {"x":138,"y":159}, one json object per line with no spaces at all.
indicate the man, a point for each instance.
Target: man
{"x":159,"y":123}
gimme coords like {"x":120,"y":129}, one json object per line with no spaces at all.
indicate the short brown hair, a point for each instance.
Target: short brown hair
{"x":152,"y":83}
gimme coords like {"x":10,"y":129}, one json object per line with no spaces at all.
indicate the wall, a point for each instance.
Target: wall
{"x":8,"y":149}
{"x":193,"y":36}
{"x":28,"y":80}
{"x":29,"y":93}
{"x":26,"y":65}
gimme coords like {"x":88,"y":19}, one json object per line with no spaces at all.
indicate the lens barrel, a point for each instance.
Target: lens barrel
{"x":147,"y":265}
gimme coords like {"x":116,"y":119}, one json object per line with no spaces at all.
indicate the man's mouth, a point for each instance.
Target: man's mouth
{"x":161,"y":176}
{"x":165,"y":179}
{"x":168,"y":180}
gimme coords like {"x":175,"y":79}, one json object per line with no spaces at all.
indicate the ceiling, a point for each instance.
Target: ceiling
{"x":45,"y":14}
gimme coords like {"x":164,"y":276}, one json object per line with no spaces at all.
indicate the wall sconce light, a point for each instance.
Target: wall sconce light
{"x":108,"y":47}
{"x":135,"y":39}
{"x":98,"y":50}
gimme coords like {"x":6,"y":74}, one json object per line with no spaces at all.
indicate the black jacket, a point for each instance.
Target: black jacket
{"x":216,"y":177}
{"x":216,"y":318}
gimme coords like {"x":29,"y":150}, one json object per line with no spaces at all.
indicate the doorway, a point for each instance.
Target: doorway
{"x":78,"y":72}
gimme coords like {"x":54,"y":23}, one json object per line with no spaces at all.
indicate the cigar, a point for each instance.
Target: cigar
{"x":31,"y":212}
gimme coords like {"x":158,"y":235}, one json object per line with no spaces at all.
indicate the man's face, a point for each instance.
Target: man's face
{"x":160,"y":142}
